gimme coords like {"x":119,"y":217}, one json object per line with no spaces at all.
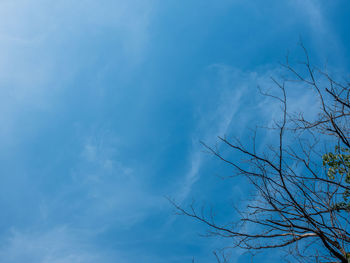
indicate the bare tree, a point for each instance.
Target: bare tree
{"x":301,"y":186}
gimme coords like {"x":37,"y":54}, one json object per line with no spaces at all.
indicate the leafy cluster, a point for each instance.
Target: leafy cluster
{"x":338,"y":164}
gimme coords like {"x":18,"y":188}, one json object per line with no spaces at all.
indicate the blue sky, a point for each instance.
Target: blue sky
{"x":103,"y":104}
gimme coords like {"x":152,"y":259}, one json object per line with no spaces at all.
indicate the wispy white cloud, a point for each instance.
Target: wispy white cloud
{"x":232,"y":86}
{"x":117,"y":193}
